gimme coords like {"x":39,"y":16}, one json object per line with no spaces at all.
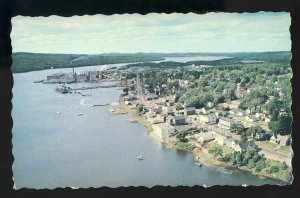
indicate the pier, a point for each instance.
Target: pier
{"x":96,"y":87}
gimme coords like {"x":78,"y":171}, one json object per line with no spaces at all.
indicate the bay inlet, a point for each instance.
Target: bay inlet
{"x":95,"y":149}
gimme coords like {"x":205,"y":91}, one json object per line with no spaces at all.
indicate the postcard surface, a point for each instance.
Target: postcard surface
{"x":156,"y":99}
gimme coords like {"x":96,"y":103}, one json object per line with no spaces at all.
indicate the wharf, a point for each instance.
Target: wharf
{"x":96,"y":87}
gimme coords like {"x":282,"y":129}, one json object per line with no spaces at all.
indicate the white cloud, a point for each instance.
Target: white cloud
{"x":152,"y":32}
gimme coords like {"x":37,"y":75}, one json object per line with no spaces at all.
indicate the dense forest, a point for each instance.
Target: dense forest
{"x":23,"y":62}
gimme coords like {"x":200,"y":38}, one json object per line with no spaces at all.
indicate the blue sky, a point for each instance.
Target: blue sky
{"x":130,"y":33}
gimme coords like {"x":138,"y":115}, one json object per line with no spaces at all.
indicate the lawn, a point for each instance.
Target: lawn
{"x":225,"y":149}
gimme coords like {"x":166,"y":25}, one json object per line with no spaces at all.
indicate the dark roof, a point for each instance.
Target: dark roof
{"x":190,"y":109}
{"x":244,"y":145}
{"x":179,"y":117}
{"x":151,"y":96}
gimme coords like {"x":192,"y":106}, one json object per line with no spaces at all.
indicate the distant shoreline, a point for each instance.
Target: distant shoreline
{"x":26,"y":62}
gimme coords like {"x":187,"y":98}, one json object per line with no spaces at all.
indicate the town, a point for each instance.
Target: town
{"x":217,"y":110}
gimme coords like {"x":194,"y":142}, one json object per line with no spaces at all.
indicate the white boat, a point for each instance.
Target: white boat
{"x":80,"y":114}
{"x":198,"y":164}
{"x":224,"y":170}
{"x":140,"y":157}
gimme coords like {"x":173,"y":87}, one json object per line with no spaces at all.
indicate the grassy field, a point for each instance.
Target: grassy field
{"x":225,"y":149}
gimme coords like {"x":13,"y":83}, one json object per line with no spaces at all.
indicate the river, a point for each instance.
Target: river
{"x":54,"y":147}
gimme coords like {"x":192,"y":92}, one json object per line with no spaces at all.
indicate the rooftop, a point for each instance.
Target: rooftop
{"x":227,"y":119}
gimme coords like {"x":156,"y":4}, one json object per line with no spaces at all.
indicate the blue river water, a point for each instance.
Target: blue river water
{"x":54,"y":147}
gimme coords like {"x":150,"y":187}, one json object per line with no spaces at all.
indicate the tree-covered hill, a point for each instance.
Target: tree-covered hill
{"x":23,"y":62}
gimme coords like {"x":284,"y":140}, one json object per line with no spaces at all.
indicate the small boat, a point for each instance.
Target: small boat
{"x":80,"y":114}
{"x":140,"y":157}
{"x":58,"y":112}
{"x":198,"y":164}
{"x":38,"y":81}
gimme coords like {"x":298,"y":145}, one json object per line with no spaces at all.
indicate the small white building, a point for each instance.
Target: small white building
{"x":232,"y":112}
{"x":220,"y":139}
{"x":163,"y":130}
{"x":168,"y":109}
{"x":226,"y":123}
{"x":208,"y":119}
{"x":240,"y":112}
{"x":267,"y":119}
{"x":233,"y":144}
{"x":210,"y":104}
{"x":205,"y":110}
{"x":281,"y":140}
{"x":251,"y":118}
{"x":205,"y":137}
{"x":127,"y":102}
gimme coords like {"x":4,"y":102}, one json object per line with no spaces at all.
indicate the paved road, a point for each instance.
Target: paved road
{"x":139,"y":89}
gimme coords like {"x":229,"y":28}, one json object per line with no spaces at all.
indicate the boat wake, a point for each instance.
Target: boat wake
{"x":224,"y":170}
{"x":86,"y":102}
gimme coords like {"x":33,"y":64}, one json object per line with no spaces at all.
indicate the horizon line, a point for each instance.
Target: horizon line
{"x":153,"y":52}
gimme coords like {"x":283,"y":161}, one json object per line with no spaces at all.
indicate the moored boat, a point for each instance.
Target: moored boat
{"x":141,"y":157}
{"x":198,"y":164}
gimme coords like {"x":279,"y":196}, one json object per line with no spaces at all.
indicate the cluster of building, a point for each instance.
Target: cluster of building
{"x":168,"y":121}
{"x":223,"y":140}
{"x":85,"y":76}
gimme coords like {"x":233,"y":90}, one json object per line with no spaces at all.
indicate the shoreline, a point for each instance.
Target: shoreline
{"x":201,"y":154}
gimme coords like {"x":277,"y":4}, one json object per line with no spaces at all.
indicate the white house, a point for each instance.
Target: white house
{"x":210,"y":104}
{"x":208,"y":119}
{"x":225,"y":123}
{"x":168,"y":110}
{"x":176,"y":120}
{"x":205,"y":137}
{"x":260,"y":116}
{"x":251,"y":118}
{"x":163,"y":130}
{"x":240,"y":112}
{"x":282,"y":140}
{"x":267,"y":119}
{"x":205,"y":110}
{"x":220,"y":139}
{"x":233,"y":144}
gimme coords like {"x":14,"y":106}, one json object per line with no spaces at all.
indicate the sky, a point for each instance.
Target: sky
{"x":131,"y":33}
